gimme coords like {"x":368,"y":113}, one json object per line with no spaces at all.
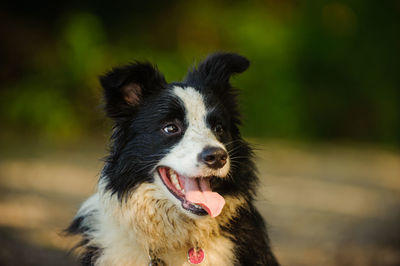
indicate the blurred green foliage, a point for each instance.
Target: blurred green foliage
{"x":320,"y":69}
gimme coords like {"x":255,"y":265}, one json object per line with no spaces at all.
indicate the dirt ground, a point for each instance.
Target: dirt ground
{"x":325,"y":204}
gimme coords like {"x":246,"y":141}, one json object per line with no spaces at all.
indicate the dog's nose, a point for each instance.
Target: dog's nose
{"x":213,"y":157}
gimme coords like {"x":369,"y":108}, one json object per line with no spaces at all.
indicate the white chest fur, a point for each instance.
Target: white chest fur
{"x":126,"y":231}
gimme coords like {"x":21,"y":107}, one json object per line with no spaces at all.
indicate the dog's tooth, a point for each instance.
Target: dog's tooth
{"x":173,"y":175}
{"x":178,"y":186}
{"x":171,"y":172}
{"x":175,"y":182}
{"x":174,"y":179}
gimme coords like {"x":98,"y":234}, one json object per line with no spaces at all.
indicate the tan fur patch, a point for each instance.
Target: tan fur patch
{"x":148,"y":221}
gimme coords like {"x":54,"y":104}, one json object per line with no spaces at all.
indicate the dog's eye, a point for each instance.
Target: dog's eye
{"x":171,"y":129}
{"x":219,"y":129}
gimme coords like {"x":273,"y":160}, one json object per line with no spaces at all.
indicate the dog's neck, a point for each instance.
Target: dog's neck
{"x":159,"y":225}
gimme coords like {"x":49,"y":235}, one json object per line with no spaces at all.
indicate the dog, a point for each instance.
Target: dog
{"x":179,"y":182}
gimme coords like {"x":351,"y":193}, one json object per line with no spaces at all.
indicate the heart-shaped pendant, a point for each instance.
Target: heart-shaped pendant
{"x":195,"y":256}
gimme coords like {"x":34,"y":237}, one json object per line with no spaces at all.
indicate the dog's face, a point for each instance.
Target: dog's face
{"x":176,"y":136}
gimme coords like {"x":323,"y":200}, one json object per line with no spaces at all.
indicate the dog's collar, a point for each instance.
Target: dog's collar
{"x":156,"y":262}
{"x":195,"y":256}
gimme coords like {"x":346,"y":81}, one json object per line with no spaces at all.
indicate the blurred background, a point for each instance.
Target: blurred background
{"x":320,"y":103}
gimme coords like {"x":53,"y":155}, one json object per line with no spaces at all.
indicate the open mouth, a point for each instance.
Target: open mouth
{"x":194,"y":193}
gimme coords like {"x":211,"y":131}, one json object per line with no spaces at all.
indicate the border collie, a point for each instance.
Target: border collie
{"x":179,"y":183}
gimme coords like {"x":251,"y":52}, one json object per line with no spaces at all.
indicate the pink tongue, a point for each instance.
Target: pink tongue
{"x":197,"y":190}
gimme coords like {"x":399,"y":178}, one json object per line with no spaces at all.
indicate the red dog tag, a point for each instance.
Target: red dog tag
{"x":195,"y":255}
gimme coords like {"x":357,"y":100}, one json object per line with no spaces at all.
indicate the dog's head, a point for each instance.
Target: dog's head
{"x":183,"y":137}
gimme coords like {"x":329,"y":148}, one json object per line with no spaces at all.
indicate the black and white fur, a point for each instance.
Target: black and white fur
{"x":133,"y":214}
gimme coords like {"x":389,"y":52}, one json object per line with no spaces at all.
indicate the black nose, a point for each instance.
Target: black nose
{"x":213,"y":157}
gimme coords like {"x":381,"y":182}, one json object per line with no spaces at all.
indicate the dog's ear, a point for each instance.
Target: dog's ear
{"x":216,"y":69}
{"x":126,"y":87}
